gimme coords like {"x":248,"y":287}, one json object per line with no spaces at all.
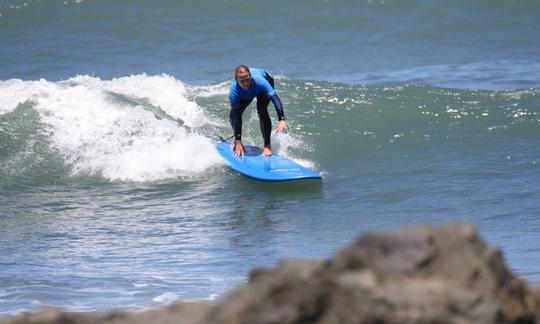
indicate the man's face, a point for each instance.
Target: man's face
{"x":244,"y":79}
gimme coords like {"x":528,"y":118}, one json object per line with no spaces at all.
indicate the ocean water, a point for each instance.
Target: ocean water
{"x":112,"y":195}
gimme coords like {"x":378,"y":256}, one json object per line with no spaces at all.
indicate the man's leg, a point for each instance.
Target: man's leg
{"x":264,"y":118}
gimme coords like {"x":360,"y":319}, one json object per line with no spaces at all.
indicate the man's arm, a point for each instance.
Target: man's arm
{"x":279,"y":107}
{"x":236,"y":121}
{"x":281,"y":114}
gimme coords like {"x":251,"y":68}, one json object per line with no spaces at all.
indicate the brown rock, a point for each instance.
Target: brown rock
{"x":179,"y":313}
{"x":415,"y":275}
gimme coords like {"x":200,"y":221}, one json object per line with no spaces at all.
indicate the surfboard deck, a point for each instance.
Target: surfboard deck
{"x":265,"y":168}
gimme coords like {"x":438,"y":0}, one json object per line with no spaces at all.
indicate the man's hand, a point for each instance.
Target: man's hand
{"x":238,"y":148}
{"x":281,"y":126}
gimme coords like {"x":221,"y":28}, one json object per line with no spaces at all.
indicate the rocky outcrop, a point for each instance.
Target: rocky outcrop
{"x":415,"y":275}
{"x":179,"y":313}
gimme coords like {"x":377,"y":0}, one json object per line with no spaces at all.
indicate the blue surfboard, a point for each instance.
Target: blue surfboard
{"x":264,"y":168}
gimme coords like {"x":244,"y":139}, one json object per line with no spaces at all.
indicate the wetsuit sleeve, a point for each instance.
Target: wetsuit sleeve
{"x":236,"y":120}
{"x":235,"y":116}
{"x":279,"y":107}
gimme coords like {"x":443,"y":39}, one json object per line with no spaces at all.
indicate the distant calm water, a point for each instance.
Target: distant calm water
{"x":111,"y":192}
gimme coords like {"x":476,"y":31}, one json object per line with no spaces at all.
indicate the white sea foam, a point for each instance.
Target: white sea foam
{"x":210,"y":90}
{"x":97,"y":135}
{"x":15,"y":92}
{"x":166,"y":298}
{"x":162,"y":91}
{"x":284,"y":143}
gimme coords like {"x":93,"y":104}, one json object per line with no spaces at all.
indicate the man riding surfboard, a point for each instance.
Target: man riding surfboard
{"x":249,"y":83}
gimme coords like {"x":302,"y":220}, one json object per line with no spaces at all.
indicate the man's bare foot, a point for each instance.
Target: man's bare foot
{"x":266,"y":151}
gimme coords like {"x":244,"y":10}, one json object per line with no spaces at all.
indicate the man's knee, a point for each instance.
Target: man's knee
{"x":263,"y":111}
{"x":262,"y":103}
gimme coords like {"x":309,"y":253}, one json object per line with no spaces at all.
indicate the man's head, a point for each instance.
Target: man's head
{"x":242,"y":76}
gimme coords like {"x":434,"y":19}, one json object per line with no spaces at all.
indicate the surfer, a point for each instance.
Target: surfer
{"x":249,"y":83}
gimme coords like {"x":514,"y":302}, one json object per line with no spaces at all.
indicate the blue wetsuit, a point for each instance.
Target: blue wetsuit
{"x":262,"y":88}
